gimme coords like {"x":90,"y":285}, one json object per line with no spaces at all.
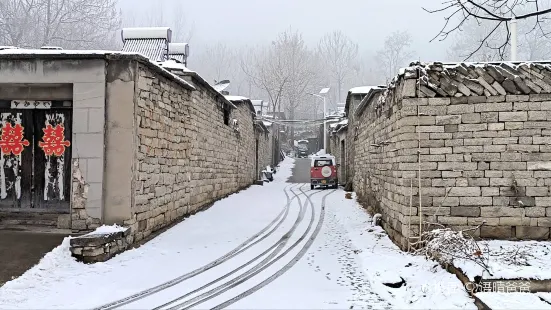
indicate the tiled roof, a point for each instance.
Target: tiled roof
{"x":154,"y":49}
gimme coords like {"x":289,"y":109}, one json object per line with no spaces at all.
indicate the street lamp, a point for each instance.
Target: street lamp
{"x":323,"y":91}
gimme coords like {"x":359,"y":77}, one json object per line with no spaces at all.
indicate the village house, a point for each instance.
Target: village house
{"x":458,"y":145}
{"x":92,"y":138}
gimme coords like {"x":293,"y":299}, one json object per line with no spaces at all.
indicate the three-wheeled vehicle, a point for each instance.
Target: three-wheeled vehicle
{"x":323,"y":171}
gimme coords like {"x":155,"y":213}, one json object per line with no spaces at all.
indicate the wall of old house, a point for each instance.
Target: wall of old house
{"x":44,"y":76}
{"x":483,"y":140}
{"x":350,"y":136}
{"x":186,"y":156}
{"x":336,"y":140}
{"x":264,"y":151}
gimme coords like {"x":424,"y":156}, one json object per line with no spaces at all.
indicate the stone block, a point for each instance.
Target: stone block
{"x":493,"y":107}
{"x":470,"y":118}
{"x":439,"y":101}
{"x":430,"y":129}
{"x":501,"y":211}
{"x":487,"y":221}
{"x":535,"y":211}
{"x":543,"y":202}
{"x":433,"y":110}
{"x":473,"y":127}
{"x":496,"y":232}
{"x":514,"y":221}
{"x":496,"y":126}
{"x":460,"y":109}
{"x":539,"y":166}
{"x":475,"y":201}
{"x":544,"y":222}
{"x":537,"y":191}
{"x":465,"y":211}
{"x":532,"y":233}
{"x":457,"y":166}
{"x":469,"y":191}
{"x":490,"y":191}
{"x":513,"y":116}
{"x":452,"y":220}
{"x":448,"y":119}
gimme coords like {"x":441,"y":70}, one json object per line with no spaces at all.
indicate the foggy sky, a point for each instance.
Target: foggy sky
{"x":368,"y":22}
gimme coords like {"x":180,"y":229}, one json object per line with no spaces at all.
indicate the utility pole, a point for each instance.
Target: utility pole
{"x":514,"y":39}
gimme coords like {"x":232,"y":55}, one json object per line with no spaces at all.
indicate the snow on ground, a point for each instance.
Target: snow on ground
{"x":345,"y":266}
{"x":511,"y":260}
{"x":59,"y":281}
{"x":497,"y":301}
{"x":428,"y":286}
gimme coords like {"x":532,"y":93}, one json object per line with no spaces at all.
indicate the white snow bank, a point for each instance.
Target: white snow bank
{"x":108,"y":229}
{"x":428,"y":286}
{"x":511,"y":260}
{"x":174,"y":65}
{"x":236,"y":98}
{"x":497,"y":301}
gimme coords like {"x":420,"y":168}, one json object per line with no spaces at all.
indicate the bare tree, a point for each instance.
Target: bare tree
{"x":394,"y":53}
{"x":498,"y":13}
{"x":468,"y":39}
{"x":73,"y":24}
{"x":339,"y":53}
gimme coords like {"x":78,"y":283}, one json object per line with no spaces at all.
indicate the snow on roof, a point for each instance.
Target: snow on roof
{"x":70,"y":53}
{"x":141,"y":33}
{"x":267,"y":124}
{"x":236,"y":98}
{"x":257,"y":102}
{"x":174,"y":65}
{"x":361,"y":90}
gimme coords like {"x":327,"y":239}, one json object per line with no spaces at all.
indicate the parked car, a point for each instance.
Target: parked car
{"x":323,"y":171}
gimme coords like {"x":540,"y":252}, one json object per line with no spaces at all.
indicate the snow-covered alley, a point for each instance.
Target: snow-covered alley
{"x":278,"y":246}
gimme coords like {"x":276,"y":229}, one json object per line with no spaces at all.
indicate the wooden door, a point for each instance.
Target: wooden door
{"x":35,"y":160}
{"x":52,"y":159}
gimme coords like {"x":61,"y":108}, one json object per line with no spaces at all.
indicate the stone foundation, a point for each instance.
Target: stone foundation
{"x":99,"y":247}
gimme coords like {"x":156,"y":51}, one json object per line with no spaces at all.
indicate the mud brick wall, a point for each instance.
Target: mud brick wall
{"x":484,"y":141}
{"x":186,"y":155}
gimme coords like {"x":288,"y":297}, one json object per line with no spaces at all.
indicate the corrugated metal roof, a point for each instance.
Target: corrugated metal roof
{"x":154,"y":49}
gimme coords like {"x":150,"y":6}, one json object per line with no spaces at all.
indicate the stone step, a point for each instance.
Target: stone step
{"x":29,"y":219}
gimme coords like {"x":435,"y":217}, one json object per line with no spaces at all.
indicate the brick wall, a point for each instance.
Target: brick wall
{"x":264,"y":150}
{"x":483,"y":139}
{"x":186,"y":155}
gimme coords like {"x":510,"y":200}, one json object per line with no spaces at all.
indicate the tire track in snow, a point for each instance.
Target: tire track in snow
{"x":281,"y":271}
{"x":278,"y":246}
{"x":239,"y":249}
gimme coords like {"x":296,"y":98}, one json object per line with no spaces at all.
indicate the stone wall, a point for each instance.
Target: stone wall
{"x":189,"y":152}
{"x":483,"y":140}
{"x":264,"y":150}
{"x":335,"y":142}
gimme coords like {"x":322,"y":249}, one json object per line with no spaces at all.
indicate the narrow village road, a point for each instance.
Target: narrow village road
{"x":278,"y":246}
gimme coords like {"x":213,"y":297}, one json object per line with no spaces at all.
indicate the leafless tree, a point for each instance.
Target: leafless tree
{"x":468,"y":39}
{"x":498,"y":13}
{"x":395,"y":53}
{"x":339,"y":53}
{"x":73,"y":24}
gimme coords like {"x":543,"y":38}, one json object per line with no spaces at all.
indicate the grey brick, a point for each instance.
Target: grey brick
{"x":448,"y":119}
{"x":493,"y":174}
{"x":489,"y":117}
{"x":544,"y":222}
{"x":493,"y":107}
{"x":501,"y":182}
{"x":486,"y":156}
{"x":439,"y":101}
{"x":520,"y":106}
{"x":468,"y":149}
{"x":512,"y":140}
{"x":433,"y":110}
{"x":425,"y":158}
{"x":454,"y":142}
{"x":451,"y":128}
{"x":501,"y":211}
{"x":496,"y":232}
{"x":440,"y":135}
{"x":432,"y":143}
{"x":537,"y":116}
{"x":483,"y":166}
{"x":490,"y":191}
{"x":535,"y":211}
{"x":537,"y":191}
{"x":486,"y":134}
{"x":441,"y":150}
{"x":465,"y":211}
{"x":430,"y":129}
{"x":514,"y":125}
{"x":542,"y":140}
{"x":451,"y":174}
{"x":496,"y":126}
{"x":478,"y":182}
{"x":511,"y":157}
{"x":455,"y":157}
{"x":473,"y":127}
{"x":475,"y":201}
{"x":477,"y":141}
{"x":514,"y":221}
{"x":525,"y":132}
{"x":535,"y":125}
{"x":525,"y":140}
{"x":523,"y":148}
{"x":495,"y":148}
{"x":461,"y":182}
{"x":532,"y":233}
{"x":464,"y":192}
{"x":457,"y":166}
{"x":513,"y":116}
{"x":511,"y":165}
{"x":470,"y":118}
{"x":460,"y":109}
{"x":414,"y":101}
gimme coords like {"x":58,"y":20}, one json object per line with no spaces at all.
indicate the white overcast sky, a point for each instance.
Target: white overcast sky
{"x":367,"y":22}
